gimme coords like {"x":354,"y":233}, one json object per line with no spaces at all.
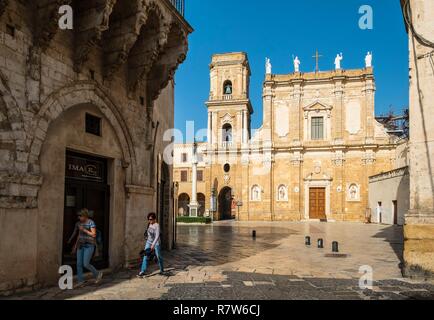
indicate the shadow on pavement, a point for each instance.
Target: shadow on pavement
{"x":254,"y":286}
{"x":214,"y":245}
{"x":394,"y":235}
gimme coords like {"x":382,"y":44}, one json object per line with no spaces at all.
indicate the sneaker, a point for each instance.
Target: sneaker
{"x":99,"y":278}
{"x":141,"y":275}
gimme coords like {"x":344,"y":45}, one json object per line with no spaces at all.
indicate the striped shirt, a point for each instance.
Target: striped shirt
{"x":84,"y":238}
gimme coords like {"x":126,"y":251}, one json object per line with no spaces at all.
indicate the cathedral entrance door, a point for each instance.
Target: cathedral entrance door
{"x":225,"y":204}
{"x":317,"y":203}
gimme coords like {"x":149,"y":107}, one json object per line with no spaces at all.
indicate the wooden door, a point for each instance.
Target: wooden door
{"x":317,"y":203}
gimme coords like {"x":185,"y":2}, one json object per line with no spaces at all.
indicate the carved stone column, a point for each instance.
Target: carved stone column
{"x":210,"y":141}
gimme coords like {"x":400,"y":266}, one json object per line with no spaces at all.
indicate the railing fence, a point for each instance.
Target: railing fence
{"x":179,"y":5}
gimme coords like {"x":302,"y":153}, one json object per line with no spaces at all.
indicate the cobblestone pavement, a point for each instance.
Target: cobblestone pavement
{"x":223,"y":261}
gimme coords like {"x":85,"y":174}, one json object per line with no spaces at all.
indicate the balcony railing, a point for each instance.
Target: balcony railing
{"x":227,"y":144}
{"x":179,"y":5}
{"x":227,"y":97}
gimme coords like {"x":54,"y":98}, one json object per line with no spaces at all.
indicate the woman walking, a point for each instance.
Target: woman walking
{"x":85,"y":246}
{"x":153,"y":245}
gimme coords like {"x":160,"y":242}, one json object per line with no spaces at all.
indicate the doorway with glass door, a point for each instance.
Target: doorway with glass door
{"x":86,"y":187}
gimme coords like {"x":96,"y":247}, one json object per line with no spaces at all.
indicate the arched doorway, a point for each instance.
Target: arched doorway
{"x":201,"y":199}
{"x":183,"y":202}
{"x":90,"y":180}
{"x":225,"y":204}
{"x":227,"y":133}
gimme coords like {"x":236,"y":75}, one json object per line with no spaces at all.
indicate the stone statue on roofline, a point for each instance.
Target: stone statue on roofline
{"x":297,"y":64}
{"x":368,"y":60}
{"x":338,"y":61}
{"x":268,"y":66}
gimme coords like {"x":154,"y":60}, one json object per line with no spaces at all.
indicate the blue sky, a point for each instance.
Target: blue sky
{"x":280,"y":28}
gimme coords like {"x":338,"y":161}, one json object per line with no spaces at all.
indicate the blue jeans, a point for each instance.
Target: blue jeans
{"x":84,"y":255}
{"x":157,"y":250}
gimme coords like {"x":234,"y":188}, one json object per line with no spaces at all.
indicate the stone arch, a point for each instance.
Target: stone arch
{"x":227,"y":87}
{"x":12,"y":125}
{"x":201,"y":198}
{"x":77,"y":94}
{"x":225,"y":203}
{"x":227,"y":133}
{"x":183,"y":202}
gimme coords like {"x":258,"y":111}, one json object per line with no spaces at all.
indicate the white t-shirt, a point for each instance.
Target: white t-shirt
{"x":154,"y":234}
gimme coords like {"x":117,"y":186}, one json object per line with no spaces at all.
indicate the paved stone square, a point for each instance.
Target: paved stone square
{"x":223,"y":261}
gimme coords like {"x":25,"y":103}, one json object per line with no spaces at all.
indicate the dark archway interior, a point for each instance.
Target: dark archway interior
{"x":227,"y":87}
{"x":227,"y":133}
{"x":201,"y":199}
{"x":183,"y":202}
{"x":225,"y":204}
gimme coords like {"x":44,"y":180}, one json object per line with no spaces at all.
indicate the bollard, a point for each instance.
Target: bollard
{"x":254,"y":234}
{"x":335,"y":246}
{"x":307,"y":241}
{"x":320,"y":243}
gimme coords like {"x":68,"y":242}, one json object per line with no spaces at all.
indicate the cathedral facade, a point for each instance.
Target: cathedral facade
{"x":311,"y":159}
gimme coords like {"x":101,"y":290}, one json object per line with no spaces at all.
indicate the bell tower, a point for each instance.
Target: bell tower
{"x":229,"y":107}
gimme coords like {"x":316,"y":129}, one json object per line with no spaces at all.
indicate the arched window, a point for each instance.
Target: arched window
{"x":183,"y":202}
{"x":201,"y":198}
{"x":282,"y":193}
{"x":255,"y":193}
{"x":353,"y":192}
{"x":227,"y":133}
{"x":227,"y":87}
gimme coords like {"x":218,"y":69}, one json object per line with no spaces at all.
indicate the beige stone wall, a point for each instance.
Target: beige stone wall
{"x":419,"y":229}
{"x":387,"y":188}
{"x":49,"y":79}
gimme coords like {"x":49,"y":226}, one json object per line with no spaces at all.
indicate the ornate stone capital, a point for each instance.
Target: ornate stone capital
{"x":47,"y":17}
{"x":91,"y":23}
{"x":125,"y":27}
{"x":296,"y":159}
{"x":369,"y":158}
{"x":3,"y":5}
{"x":171,"y":56}
{"x":338,"y":159}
